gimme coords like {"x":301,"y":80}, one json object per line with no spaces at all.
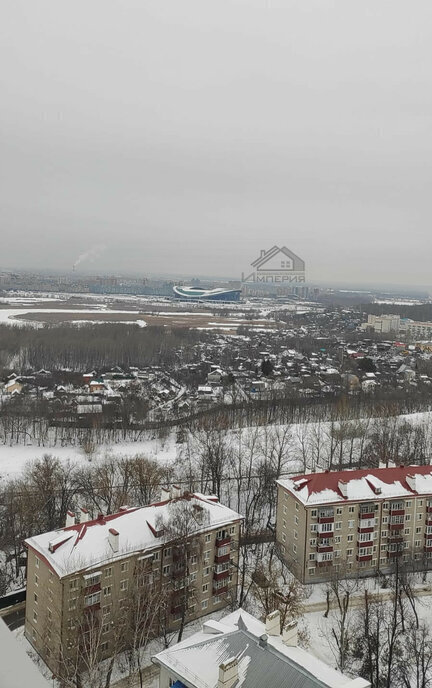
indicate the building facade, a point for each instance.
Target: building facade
{"x":355,"y":523}
{"x":382,"y":323}
{"x":83,"y":580}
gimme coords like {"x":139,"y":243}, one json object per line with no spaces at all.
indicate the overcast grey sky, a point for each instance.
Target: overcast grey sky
{"x":185,"y":135}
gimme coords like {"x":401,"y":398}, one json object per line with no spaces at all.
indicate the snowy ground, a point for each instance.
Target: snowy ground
{"x":13,"y":459}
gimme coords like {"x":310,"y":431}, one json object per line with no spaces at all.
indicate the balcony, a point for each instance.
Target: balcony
{"x":325,"y":516}
{"x":220,"y":590}
{"x":322,"y":564}
{"x":397,"y":509}
{"x":221,"y":559}
{"x":365,"y":543}
{"x":395,"y":526}
{"x":429,"y":508}
{"x":92,"y":588}
{"x":395,"y":553}
{"x":364,"y":557}
{"x":366,"y":514}
{"x":225,"y":540}
{"x":325,"y":548}
{"x":221,"y":576}
{"x":327,"y":535}
{"x":179,"y":572}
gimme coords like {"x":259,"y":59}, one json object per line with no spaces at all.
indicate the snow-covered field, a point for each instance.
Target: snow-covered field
{"x":302,"y":446}
{"x":13,"y":459}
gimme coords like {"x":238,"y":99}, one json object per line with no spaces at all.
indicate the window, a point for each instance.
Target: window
{"x":284,"y":523}
{"x":349,"y":552}
{"x":72,"y":604}
{"x":285,"y":510}
{"x":351,"y":509}
{"x":408,"y":504}
{"x":385,"y":519}
{"x":350,"y":524}
{"x":108,"y":572}
{"x":206,"y":571}
{"x":350,"y":538}
{"x":107,"y":591}
{"x":418,"y":530}
{"x":217,"y":599}
{"x":73,"y":584}
{"x":296,"y":506}
{"x":296,"y":520}
{"x":420,"y":502}
{"x":49,"y":614}
{"x":311,"y":572}
{"x":383,"y":548}
{"x":313,"y":513}
{"x":193,"y":559}
{"x":125,"y":566}
{"x":314,"y":527}
{"x":37,"y":562}
{"x":36,"y":579}
{"x":312,"y":556}
{"x":71,"y":624}
{"x":35,"y":616}
{"x":312,"y":543}
{"x":105,"y":628}
{"x":106,"y":610}
{"x":283,"y":537}
{"x":166,"y":570}
{"x":419,"y":517}
{"x":156,"y":556}
{"x":338,"y":511}
{"x":35,"y":598}
{"x":337,"y":539}
{"x":295,"y":535}
{"x":408,"y":517}
{"x":90,"y":600}
{"x":205,"y":587}
{"x":232,"y":530}
{"x":384,"y":533}
{"x":385,"y":505}
{"x":338,"y":525}
{"x":204,"y":604}
{"x":417,"y":543}
{"x":407,"y":531}
{"x":193,"y":577}
{"x":206,"y":556}
{"x":207,"y":537}
{"x":295,"y":549}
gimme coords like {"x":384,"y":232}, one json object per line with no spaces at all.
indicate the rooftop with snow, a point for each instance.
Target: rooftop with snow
{"x":81,"y":546}
{"x":359,"y":485}
{"x":239,"y":650}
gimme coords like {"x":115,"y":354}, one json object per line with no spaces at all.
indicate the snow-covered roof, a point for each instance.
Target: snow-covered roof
{"x":83,"y":546}
{"x":196,"y":660}
{"x":357,"y":485}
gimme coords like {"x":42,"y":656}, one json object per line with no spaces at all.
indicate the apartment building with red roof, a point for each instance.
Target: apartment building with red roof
{"x":355,"y":522}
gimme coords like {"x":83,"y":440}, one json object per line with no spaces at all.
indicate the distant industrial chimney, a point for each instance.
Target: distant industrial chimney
{"x":113,"y":539}
{"x":228,"y":673}
{"x":70,"y":519}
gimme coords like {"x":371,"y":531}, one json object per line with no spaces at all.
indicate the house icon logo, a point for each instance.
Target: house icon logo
{"x":277,"y":265}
